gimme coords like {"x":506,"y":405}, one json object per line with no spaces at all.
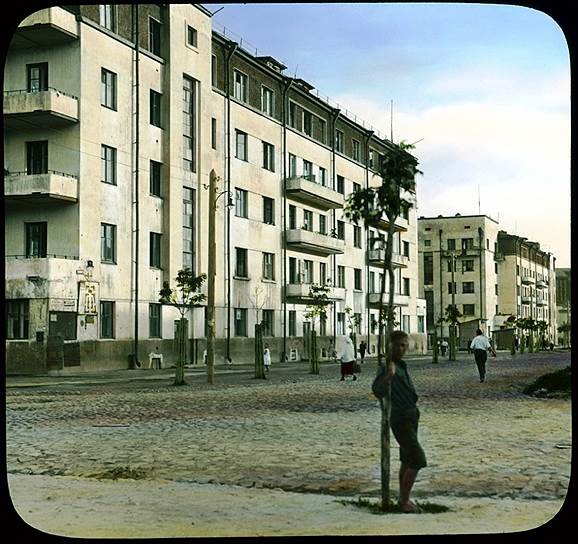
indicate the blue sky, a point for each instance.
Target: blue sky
{"x":487,"y":87}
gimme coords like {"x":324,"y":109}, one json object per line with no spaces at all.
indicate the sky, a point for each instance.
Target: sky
{"x":483,"y":89}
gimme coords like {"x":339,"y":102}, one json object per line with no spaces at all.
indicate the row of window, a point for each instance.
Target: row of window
{"x":466,"y":243}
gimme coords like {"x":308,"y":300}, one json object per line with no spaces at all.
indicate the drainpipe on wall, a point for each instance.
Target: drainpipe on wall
{"x":334,"y":117}
{"x":286,"y":88}
{"x":232,"y":48}
{"x":482,"y":254}
{"x":368,"y":136}
{"x":440,"y":231}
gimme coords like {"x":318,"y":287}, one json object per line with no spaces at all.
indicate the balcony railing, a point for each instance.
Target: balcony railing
{"x":300,"y":291}
{"x":526,"y":300}
{"x":398,"y":300}
{"x":52,"y":187}
{"x":377,"y":257}
{"x":541,"y":302}
{"x":541,"y":284}
{"x":46,"y":108}
{"x":313,"y":242}
{"x":304,"y":189}
{"x":46,"y":27}
{"x":528,"y":280}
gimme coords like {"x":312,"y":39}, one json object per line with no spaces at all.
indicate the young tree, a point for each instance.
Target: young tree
{"x":397,"y":171}
{"x":451,"y":316}
{"x":258,"y":303}
{"x":317,"y":308}
{"x":353,"y":320}
{"x":183,"y":298}
{"x":565,"y":329}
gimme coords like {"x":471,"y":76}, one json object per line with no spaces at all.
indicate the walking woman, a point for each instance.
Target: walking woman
{"x":348,"y":359}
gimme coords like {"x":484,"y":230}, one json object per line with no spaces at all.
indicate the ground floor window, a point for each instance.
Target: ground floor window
{"x":154,"y":320}
{"x":267,"y":323}
{"x":240,"y":322}
{"x":17,"y":319}
{"x":106,"y":319}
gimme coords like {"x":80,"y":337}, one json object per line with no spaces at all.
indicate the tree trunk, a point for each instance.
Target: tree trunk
{"x":182,"y":327}
{"x":531,"y":343}
{"x":523,"y":343}
{"x":259,"y":362}
{"x":313,"y":356}
{"x":435,"y":346}
{"x":452,"y":355}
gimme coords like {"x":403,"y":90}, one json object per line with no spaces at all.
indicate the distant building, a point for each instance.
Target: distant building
{"x":563,"y":300}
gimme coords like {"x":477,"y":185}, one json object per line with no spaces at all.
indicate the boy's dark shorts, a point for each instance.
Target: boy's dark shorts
{"x":404,"y":427}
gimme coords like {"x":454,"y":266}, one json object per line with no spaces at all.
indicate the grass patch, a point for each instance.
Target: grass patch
{"x":121,"y":473}
{"x":559,"y":381}
{"x":374,"y":506}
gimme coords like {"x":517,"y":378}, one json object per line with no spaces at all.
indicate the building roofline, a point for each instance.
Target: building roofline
{"x":422,"y":218}
{"x":203,"y":9}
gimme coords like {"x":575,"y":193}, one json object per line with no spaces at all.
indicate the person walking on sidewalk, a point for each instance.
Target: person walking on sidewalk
{"x":481,"y":345}
{"x":362,"y":348}
{"x":444,"y":346}
{"x":267,"y":357}
{"x":347,"y":359}
{"x":404,"y":417}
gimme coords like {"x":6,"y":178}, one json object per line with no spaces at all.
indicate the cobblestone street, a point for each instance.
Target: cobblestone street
{"x":296,"y":433}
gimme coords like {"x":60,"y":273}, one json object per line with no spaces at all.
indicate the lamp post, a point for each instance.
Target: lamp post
{"x":451,"y":255}
{"x":213,"y":197}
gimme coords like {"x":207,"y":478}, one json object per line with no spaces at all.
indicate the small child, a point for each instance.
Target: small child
{"x":267,"y":357}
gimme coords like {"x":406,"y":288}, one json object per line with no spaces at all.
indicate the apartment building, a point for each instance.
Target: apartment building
{"x":563,"y":301}
{"x":487,"y":273}
{"x":114,"y":118}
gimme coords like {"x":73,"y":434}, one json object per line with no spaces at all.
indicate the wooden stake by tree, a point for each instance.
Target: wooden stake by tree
{"x":183,"y":298}
{"x":397,"y":171}
{"x":452,"y":315}
{"x":317,"y":308}
{"x":258,"y":303}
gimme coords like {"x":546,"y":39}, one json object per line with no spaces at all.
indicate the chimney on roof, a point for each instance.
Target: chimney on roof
{"x":272,"y":63}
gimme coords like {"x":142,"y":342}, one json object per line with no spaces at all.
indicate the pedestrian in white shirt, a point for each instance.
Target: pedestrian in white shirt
{"x":481,"y":345}
{"x":267,"y":357}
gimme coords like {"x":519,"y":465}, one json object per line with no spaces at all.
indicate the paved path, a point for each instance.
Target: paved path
{"x":295,"y":432}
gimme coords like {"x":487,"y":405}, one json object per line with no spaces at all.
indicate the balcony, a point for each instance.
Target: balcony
{"x":51,"y":108}
{"x":45,"y":28}
{"x":377,"y":257}
{"x":542,"y":284}
{"x":398,"y":300}
{"x":541,"y":302}
{"x":526,"y":300}
{"x":50,"y":188}
{"x":300,"y":292}
{"x":528,"y":280}
{"x":400,"y":224}
{"x":305,"y":190}
{"x":313,"y":242}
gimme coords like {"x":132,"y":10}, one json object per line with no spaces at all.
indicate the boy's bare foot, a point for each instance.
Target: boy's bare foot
{"x":409,"y":508}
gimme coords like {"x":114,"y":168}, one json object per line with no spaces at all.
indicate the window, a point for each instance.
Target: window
{"x":292,"y":216}
{"x":108,"y":89}
{"x":357,"y":279}
{"x":450,"y":261}
{"x":37,"y":157}
{"x":106,"y":319}
{"x":340,"y":323}
{"x":213,"y":133}
{"x":241,"y":268}
{"x":267,"y":323}
{"x":469,"y":309}
{"x":292,"y":166}
{"x":372,"y":282}
{"x":308,"y":170}
{"x":155,"y":249}
{"x":268,"y":211}
{"x":356,"y":187}
{"x":468,"y":265}
{"x":292,"y":114}
{"x":37,"y":77}
{"x":307,"y":271}
{"x":404,"y":211}
{"x":405,"y":326}
{"x":322,"y":325}
{"x":420,"y":323}
{"x":36,"y":239}
{"x":267,"y":103}
{"x":356,"y":236}
{"x":496,"y":289}
{"x":406,"y":249}
{"x":155,"y":178}
{"x":356,"y":150}
{"x":467,"y":243}
{"x":307,"y":123}
{"x":268,"y":266}
{"x":467,"y":227}
{"x":293,"y":276}
{"x":340,"y":184}
{"x":107,"y":16}
{"x":322,"y":130}
{"x":358,"y":321}
{"x":340,"y":276}
{"x":427,"y":243}
{"x":240,"y":322}
{"x":240,"y":86}
{"x":241,"y":147}
{"x":339,"y":141}
{"x":341,"y":230}
{"x":192,"y":36}
{"x":154,"y":37}
{"x":108,"y":164}
{"x":496,"y":268}
{"x":406,"y":287}
{"x":451,"y":244}
{"x":428,"y":268}
{"x":268,"y":157}
{"x":322,"y":224}
{"x":450,"y":288}
{"x":372,"y":158}
{"x":155,"y":108}
{"x":308,"y":220}
{"x":155,"y":320}
{"x":468,"y":287}
{"x":189,"y":93}
{"x":188,"y":227}
{"x":107,"y":243}
{"x":17,"y":319}
{"x":214,"y":70}
{"x":322,"y":176}
{"x":241,"y":200}
{"x":292,"y":323}
{"x":517,"y":269}
{"x":322,"y":273}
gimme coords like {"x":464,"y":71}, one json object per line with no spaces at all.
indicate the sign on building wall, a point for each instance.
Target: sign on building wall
{"x":88,"y":298}
{"x":62,"y":305}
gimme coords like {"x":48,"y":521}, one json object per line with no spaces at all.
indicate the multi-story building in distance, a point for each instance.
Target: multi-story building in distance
{"x":563,"y":301}
{"x":115,"y":115}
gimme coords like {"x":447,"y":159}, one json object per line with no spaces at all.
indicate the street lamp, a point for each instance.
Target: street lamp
{"x":451,"y":255}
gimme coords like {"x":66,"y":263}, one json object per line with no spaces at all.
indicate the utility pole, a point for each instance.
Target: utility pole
{"x":452,"y":354}
{"x":211,"y":278}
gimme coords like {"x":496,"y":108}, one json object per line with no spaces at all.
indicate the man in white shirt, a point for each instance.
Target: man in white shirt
{"x":481,"y":345}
